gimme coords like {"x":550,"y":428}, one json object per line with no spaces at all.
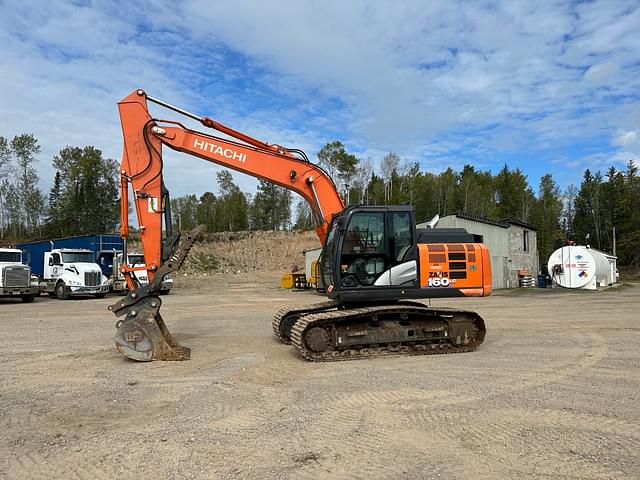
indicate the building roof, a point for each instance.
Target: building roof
{"x":520,"y":223}
{"x":506,"y":223}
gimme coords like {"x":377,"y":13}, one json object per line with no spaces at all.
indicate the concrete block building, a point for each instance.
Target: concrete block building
{"x":512,"y":245}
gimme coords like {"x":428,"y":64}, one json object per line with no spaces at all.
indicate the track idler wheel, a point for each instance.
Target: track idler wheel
{"x":318,"y":339}
{"x":143,"y":336}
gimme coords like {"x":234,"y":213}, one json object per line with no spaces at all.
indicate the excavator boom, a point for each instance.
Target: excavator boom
{"x":145,"y":136}
{"x":140,"y":337}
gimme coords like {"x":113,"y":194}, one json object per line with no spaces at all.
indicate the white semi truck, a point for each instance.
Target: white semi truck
{"x":68,"y":266}
{"x":15,"y":276}
{"x":68,"y":272}
{"x":84,"y":265}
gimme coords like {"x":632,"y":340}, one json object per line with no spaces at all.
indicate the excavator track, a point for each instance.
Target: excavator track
{"x":287,"y":316}
{"x":391,"y":330}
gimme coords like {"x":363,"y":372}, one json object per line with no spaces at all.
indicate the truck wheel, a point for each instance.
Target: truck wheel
{"x":61,"y":292}
{"x":28,"y":298}
{"x":100,"y":295}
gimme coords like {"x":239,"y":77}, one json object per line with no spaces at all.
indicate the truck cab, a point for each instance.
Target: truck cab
{"x":68,"y":272}
{"x":15,"y":276}
{"x":118,"y":283}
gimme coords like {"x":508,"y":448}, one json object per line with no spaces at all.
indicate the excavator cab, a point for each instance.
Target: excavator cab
{"x":368,"y":248}
{"x":376,"y":254}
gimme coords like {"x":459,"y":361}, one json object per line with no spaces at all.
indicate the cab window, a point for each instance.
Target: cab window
{"x":365,"y":234}
{"x":402,"y":235}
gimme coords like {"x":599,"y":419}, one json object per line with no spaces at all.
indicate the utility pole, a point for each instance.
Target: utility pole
{"x":614,"y":241}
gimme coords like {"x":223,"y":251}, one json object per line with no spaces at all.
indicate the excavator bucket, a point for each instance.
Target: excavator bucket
{"x":142,"y":334}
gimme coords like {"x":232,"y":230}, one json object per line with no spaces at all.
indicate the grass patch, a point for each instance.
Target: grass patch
{"x":203,"y":262}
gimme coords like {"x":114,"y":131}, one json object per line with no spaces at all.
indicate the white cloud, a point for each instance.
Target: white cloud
{"x":628,"y":137}
{"x":601,"y":72}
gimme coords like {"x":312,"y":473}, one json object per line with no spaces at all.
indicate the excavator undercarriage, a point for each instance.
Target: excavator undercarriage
{"x":325,"y":332}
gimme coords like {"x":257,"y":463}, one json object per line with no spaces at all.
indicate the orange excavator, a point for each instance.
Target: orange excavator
{"x":374,"y":266}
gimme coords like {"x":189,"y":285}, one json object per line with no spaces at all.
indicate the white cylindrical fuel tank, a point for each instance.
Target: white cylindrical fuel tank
{"x":576,"y":266}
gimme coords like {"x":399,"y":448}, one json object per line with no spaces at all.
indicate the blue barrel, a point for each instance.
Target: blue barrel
{"x":542,"y":281}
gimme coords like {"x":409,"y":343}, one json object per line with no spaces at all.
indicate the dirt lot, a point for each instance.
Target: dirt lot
{"x":552,"y":393}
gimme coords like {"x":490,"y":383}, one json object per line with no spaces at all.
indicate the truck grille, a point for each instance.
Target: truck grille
{"x":92,"y":279}
{"x":17,"y":277}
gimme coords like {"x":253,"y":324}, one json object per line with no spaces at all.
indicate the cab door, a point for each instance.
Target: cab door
{"x":56,"y":265}
{"x":402,"y":267}
{"x":368,"y":248}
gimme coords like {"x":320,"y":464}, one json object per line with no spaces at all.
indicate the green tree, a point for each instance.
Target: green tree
{"x":232,"y":213}
{"x":389,"y":169}
{"x":628,"y":228}
{"x":5,"y":170}
{"x":376,"y":191}
{"x":408,"y":186}
{"x":52,"y":222}
{"x":546,"y":217}
{"x":21,"y":201}
{"x":304,"y":216}
{"x":475,"y":193}
{"x":13,"y":210}
{"x":612,"y":196}
{"x":359,"y":188}
{"x":206,"y":211}
{"x":568,"y":215}
{"x":5,"y":159}
{"x":447,"y":190}
{"x":426,"y":198}
{"x":25,"y":148}
{"x":515,"y":197}
{"x":271,"y":207}
{"x":587,"y":221}
{"x":88,"y":202}
{"x":184,"y":212}
{"x":339,"y":164}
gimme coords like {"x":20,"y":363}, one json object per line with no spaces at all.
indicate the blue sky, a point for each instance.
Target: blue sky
{"x":546,"y":86}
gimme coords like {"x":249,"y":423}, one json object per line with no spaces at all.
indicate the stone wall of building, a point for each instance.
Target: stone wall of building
{"x":519,"y":258}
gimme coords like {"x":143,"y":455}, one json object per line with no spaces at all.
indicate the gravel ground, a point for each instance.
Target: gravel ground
{"x":552,"y":393}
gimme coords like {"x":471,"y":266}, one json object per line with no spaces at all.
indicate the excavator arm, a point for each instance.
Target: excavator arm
{"x":142,"y":334}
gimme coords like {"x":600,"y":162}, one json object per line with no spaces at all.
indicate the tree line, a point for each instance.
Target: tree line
{"x":84,"y":198}
{"x":233,"y":210}
{"x":586,"y":214}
